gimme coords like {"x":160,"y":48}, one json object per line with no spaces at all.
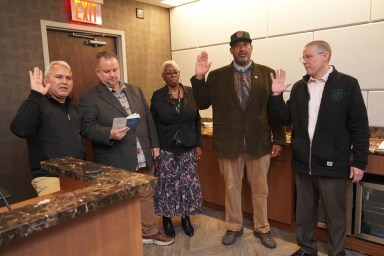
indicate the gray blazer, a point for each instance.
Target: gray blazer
{"x":99,"y":107}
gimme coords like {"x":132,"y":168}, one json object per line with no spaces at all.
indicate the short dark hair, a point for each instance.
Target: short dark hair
{"x":105,"y":55}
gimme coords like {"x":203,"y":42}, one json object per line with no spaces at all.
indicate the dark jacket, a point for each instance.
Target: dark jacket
{"x":171,"y":125}
{"x":99,"y":107}
{"x":52,"y":130}
{"x":342,"y":123}
{"x":231,"y":125}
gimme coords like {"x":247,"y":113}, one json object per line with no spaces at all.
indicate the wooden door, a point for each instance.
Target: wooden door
{"x":62,"y":45}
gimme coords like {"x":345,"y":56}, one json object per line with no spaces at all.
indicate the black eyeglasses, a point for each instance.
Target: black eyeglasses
{"x":308,"y":57}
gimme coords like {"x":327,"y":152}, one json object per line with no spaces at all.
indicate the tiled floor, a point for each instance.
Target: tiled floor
{"x":209,"y":229}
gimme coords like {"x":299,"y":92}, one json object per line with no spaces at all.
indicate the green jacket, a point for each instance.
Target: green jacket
{"x":231,"y":125}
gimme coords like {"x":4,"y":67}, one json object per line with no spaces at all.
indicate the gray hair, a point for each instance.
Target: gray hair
{"x":169,"y":63}
{"x":54,"y":63}
{"x":321,"y":45}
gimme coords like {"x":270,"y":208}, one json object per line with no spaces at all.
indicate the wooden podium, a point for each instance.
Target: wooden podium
{"x":113,"y":230}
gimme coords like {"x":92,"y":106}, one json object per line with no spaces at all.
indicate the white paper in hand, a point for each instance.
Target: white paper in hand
{"x":119,"y":122}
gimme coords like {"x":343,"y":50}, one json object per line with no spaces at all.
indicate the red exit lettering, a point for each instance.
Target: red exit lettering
{"x":84,"y":11}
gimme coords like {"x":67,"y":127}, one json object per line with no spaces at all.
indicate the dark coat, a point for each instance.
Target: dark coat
{"x":52,"y":130}
{"x":231,"y":125}
{"x":169,"y":123}
{"x":342,"y":123}
{"x":99,"y":107}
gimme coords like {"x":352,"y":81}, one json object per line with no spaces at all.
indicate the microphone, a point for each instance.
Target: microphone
{"x":4,"y":194}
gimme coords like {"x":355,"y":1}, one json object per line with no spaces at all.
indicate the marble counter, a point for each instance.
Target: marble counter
{"x":110,"y":186}
{"x":377,"y":137}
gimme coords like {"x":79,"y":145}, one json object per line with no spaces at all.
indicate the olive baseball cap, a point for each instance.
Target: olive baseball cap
{"x":240,"y":36}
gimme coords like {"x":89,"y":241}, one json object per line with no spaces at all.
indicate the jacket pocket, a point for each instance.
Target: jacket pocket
{"x":331,"y":153}
{"x":300,"y":150}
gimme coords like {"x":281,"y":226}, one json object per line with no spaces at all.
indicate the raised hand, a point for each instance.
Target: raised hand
{"x":36,"y":80}
{"x":202,"y":65}
{"x":278,"y":85}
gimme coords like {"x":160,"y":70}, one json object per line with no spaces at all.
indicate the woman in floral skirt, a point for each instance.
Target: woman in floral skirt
{"x":178,"y":126}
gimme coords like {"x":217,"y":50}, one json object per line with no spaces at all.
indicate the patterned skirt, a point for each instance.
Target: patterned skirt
{"x":178,"y":191}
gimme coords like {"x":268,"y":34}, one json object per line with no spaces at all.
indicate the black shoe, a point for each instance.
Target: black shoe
{"x":301,"y":253}
{"x":168,"y":227}
{"x":187,"y":226}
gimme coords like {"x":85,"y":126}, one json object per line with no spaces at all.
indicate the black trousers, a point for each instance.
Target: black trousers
{"x":332,"y":192}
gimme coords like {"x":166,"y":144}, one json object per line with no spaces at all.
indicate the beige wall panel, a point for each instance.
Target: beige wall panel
{"x":186,"y":60}
{"x":365,"y":97}
{"x":206,"y":113}
{"x":377,"y":10}
{"x":282,"y":52}
{"x":375,"y":108}
{"x":218,"y":20}
{"x":184,"y":26}
{"x":285,"y":17}
{"x":357,"y":47}
{"x":286,"y":95}
{"x":358,"y":51}
{"x":218,"y":55}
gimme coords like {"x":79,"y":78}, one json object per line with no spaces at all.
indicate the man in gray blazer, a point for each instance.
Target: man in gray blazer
{"x":132,"y":149}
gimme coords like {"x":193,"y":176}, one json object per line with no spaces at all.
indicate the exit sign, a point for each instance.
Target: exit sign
{"x":88,"y":11}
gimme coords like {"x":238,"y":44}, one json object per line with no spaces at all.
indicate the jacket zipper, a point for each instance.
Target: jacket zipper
{"x":310,"y":143}
{"x":310,"y":158}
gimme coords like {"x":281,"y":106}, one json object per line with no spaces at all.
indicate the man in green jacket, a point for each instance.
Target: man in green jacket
{"x":242,"y":126}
